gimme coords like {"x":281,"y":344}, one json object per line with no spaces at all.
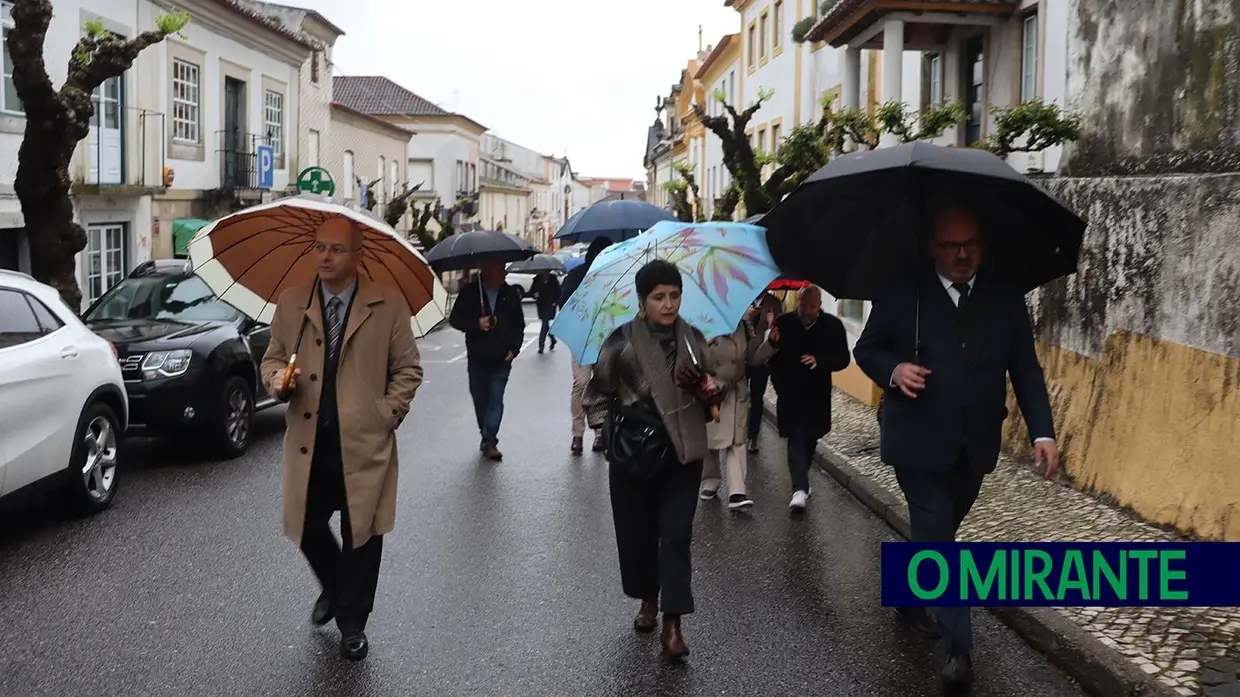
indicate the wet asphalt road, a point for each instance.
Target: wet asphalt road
{"x":501,"y":579}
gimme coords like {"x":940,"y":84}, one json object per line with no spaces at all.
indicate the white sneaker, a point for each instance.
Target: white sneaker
{"x":799,"y":500}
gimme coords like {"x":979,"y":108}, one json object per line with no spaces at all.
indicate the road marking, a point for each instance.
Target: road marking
{"x":460,"y":357}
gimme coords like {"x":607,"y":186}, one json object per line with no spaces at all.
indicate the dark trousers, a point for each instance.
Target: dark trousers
{"x":801,"y":445}
{"x":542,"y":335}
{"x":937,"y":503}
{"x":487,"y":382}
{"x":654,"y":530}
{"x":757,"y":397}
{"x":349,"y":575}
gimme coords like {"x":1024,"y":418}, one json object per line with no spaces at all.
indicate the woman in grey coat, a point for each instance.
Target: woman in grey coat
{"x":653,"y":372}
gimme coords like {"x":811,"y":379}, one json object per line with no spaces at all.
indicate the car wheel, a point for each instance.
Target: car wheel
{"x":234,"y":418}
{"x":92,"y":466}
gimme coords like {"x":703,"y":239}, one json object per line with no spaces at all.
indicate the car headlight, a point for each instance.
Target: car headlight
{"x":166,"y":364}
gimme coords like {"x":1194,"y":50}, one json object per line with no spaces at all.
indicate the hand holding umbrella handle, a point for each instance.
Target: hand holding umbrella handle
{"x":290,"y":372}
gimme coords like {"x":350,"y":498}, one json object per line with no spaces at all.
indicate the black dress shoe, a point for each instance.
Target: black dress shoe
{"x":323,"y":611}
{"x":919,"y":620}
{"x":354,"y":646}
{"x":958,"y":671}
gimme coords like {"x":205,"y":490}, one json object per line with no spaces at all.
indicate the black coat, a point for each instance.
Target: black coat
{"x":546,"y":295}
{"x":508,"y":333}
{"x":803,"y":395}
{"x":965,"y":399}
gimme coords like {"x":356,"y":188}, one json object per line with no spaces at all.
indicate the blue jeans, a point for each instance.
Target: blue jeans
{"x":487,"y":382}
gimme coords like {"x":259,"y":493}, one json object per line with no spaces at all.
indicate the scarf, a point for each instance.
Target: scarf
{"x":682,"y":414}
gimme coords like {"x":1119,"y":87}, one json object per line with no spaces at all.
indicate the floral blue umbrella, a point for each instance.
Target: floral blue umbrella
{"x":724,"y":265}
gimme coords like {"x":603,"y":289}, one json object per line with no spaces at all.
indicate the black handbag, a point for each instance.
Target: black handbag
{"x":637,"y":439}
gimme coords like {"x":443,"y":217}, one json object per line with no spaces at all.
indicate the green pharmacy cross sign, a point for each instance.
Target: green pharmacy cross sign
{"x":316,"y":180}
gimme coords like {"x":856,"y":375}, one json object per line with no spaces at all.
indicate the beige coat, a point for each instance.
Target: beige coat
{"x":731,"y":356}
{"x":378,"y":373}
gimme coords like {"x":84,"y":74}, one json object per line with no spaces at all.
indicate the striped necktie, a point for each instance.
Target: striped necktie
{"x":333,"y":328}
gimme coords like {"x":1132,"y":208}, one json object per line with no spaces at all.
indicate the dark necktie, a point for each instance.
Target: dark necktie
{"x":333,"y":328}
{"x":962,"y":312}
{"x":963,"y":289}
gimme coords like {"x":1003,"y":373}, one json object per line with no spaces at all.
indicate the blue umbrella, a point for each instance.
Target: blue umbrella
{"x":618,"y":220}
{"x":724,"y":266}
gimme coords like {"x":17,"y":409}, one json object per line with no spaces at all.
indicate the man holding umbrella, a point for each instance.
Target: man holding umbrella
{"x":340,"y":443}
{"x":943,"y":414}
{"x":490,"y":315}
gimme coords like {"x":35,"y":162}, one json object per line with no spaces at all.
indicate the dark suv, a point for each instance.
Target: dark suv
{"x":189,"y":360}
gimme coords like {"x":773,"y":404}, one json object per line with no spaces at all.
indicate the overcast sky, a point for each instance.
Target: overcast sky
{"x":580,"y":76}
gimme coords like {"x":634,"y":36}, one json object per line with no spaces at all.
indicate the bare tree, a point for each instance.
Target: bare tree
{"x":56,"y":120}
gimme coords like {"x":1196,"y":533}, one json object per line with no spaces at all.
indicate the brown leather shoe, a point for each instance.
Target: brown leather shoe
{"x":492,"y":453}
{"x":674,"y":648}
{"x":578,"y":445}
{"x":647,"y":617}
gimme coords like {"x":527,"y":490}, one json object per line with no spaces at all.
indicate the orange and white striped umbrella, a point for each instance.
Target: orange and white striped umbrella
{"x":250,"y":257}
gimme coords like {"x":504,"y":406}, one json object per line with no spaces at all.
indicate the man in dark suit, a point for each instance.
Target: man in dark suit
{"x":809,"y":345}
{"x":942,"y":418}
{"x":489,"y":312}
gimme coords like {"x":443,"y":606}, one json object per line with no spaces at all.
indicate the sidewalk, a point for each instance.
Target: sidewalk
{"x":1111,"y":651}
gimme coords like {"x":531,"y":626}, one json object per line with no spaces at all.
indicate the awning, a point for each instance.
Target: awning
{"x":183,"y":230}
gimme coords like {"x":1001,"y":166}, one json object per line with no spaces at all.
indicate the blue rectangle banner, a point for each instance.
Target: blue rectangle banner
{"x":1061,"y":574}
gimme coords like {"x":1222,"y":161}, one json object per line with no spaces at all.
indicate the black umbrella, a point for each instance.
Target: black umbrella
{"x":865,"y":218}
{"x":618,"y":220}
{"x":536,"y":263}
{"x":469,"y":250}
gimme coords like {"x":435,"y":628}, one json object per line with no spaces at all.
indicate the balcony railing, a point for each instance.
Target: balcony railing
{"x":238,"y":153}
{"x":124,"y":148}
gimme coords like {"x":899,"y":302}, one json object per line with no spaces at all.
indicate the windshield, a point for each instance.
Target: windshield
{"x":176,"y":299}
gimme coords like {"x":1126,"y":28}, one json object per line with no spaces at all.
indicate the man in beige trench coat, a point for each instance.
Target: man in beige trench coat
{"x":358,"y":368}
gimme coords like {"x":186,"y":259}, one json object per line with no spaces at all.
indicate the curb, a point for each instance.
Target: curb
{"x":1101,"y":670}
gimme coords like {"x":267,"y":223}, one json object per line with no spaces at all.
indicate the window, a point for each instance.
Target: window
{"x":762,"y":39}
{"x":753,"y":43}
{"x":853,"y":310}
{"x":273,"y":119}
{"x":461,"y":176}
{"x":776,"y":137}
{"x":177,"y":298}
{"x":393,"y":176}
{"x":777,"y":17}
{"x":48,"y":321}
{"x":104,"y":257}
{"x":8,"y":93}
{"x":185,"y":82}
{"x":732,"y":88}
{"x":348,"y":174}
{"x":1029,"y":58}
{"x":935,"y":67}
{"x":18,"y":323}
{"x":762,"y":141}
{"x":314,"y":67}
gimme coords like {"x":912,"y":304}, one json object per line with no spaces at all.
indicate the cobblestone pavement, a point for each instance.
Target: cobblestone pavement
{"x":1193,"y":650}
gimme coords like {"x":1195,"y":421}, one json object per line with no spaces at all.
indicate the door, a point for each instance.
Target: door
{"x":105,"y":141}
{"x":975,"y":78}
{"x":104,"y":258}
{"x":258,"y":337}
{"x":38,"y":364}
{"x":234,"y":117}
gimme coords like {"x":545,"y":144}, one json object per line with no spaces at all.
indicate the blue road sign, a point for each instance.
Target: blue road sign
{"x":266,"y":167}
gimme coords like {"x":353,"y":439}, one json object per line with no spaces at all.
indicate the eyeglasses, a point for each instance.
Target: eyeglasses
{"x":972,"y":245}
{"x":335,"y":249}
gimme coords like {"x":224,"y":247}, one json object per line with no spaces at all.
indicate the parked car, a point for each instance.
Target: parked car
{"x":189,"y":359}
{"x":62,"y":399}
{"x":521,"y":280}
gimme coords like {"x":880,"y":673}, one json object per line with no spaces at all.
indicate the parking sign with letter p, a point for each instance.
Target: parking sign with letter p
{"x":266,"y":167}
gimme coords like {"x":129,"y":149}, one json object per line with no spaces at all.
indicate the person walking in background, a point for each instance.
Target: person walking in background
{"x":768,"y":306}
{"x":581,"y":374}
{"x":942,"y":419}
{"x":647,"y":387}
{"x":732,"y":357}
{"x":545,"y":289}
{"x":490,"y":315}
{"x":808,"y":346}
{"x":339,"y":443}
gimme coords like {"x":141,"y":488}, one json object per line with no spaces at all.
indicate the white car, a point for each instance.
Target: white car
{"x":63,"y":406}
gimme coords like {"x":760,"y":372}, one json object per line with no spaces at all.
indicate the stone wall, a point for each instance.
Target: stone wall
{"x":1142,"y":348}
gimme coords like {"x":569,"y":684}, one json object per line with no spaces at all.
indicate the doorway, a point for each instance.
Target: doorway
{"x":974,"y":81}
{"x":234,"y":119}
{"x":106,"y":144}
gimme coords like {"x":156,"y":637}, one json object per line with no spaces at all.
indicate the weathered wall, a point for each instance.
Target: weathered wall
{"x":1142,"y":348}
{"x":1155,"y":83}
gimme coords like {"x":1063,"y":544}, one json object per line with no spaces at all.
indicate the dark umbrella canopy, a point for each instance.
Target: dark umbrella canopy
{"x":618,"y":220}
{"x":469,"y":250}
{"x":536,"y":263}
{"x":865,"y":218}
